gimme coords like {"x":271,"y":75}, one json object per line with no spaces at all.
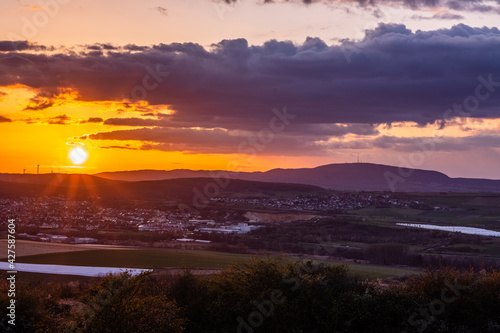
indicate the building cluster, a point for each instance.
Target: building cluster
{"x":60,"y":213}
{"x":224,"y":228}
{"x":338,"y":202}
{"x":42,"y":237}
{"x":57,"y":212}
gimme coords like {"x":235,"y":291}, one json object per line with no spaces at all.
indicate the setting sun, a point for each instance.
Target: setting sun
{"x":78,"y":155}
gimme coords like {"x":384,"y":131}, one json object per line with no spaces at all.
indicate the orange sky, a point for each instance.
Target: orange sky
{"x":30,"y":139}
{"x":24,"y":145}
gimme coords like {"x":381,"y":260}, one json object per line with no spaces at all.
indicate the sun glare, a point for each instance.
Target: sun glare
{"x":78,"y":155}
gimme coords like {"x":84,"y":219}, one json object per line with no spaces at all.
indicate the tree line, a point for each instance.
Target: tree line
{"x":271,"y":294}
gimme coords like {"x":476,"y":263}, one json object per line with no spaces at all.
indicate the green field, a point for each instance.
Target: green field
{"x":158,"y":259}
{"x":139,"y":259}
{"x":382,"y":272}
{"x":469,"y":209}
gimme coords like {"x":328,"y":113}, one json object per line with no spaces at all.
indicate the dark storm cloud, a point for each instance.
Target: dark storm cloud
{"x":93,"y":53}
{"x":393,"y":74}
{"x":177,"y":139}
{"x":6,"y":46}
{"x":318,"y":130}
{"x":213,"y":141}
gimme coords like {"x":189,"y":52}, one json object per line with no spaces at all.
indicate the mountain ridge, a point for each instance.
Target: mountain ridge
{"x":179,"y":189}
{"x":342,"y":176}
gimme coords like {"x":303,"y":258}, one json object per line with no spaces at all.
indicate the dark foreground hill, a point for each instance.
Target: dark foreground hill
{"x":348,"y":176}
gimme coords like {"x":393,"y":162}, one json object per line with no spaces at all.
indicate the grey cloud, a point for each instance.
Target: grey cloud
{"x":45,"y":98}
{"x":38,"y":104}
{"x":162,"y":10}
{"x":93,"y":120}
{"x":102,"y":46}
{"x":32,"y":120}
{"x":463,"y":5}
{"x":62,"y":119}
{"x":119,"y":147}
{"x":439,"y":16}
{"x":219,"y":141}
{"x":437,"y":143}
{"x":8,"y":46}
{"x":212,"y":141}
{"x":5,"y":119}
{"x":133,"y":47}
{"x":319,"y":130}
{"x":393,"y":74}
{"x":135,"y":121}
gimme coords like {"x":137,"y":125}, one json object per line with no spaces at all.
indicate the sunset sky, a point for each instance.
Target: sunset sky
{"x":88,"y":86}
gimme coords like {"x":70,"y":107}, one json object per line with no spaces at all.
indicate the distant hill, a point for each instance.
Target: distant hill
{"x":180,"y":184}
{"x":347,"y":176}
{"x":55,"y":179}
{"x":179,"y":189}
{"x":139,"y":175}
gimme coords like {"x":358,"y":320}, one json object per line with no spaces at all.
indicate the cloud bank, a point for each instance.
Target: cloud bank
{"x":227,"y":91}
{"x":481,"y":6}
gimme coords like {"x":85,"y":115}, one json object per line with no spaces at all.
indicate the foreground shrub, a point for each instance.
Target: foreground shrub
{"x":36,"y":307}
{"x":273,"y":294}
{"x":114,"y":306}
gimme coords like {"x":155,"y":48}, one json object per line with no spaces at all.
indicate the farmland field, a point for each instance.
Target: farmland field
{"x":161,"y":259}
{"x":460,"y":209}
{"x":140,"y":259}
{"x":26,"y":248}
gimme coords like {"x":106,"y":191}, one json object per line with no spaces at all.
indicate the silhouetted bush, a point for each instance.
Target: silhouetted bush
{"x":273,"y":294}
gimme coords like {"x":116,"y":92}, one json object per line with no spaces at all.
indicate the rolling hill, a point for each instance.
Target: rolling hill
{"x":178,"y":189}
{"x":183,"y":184}
{"x":347,"y":176}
